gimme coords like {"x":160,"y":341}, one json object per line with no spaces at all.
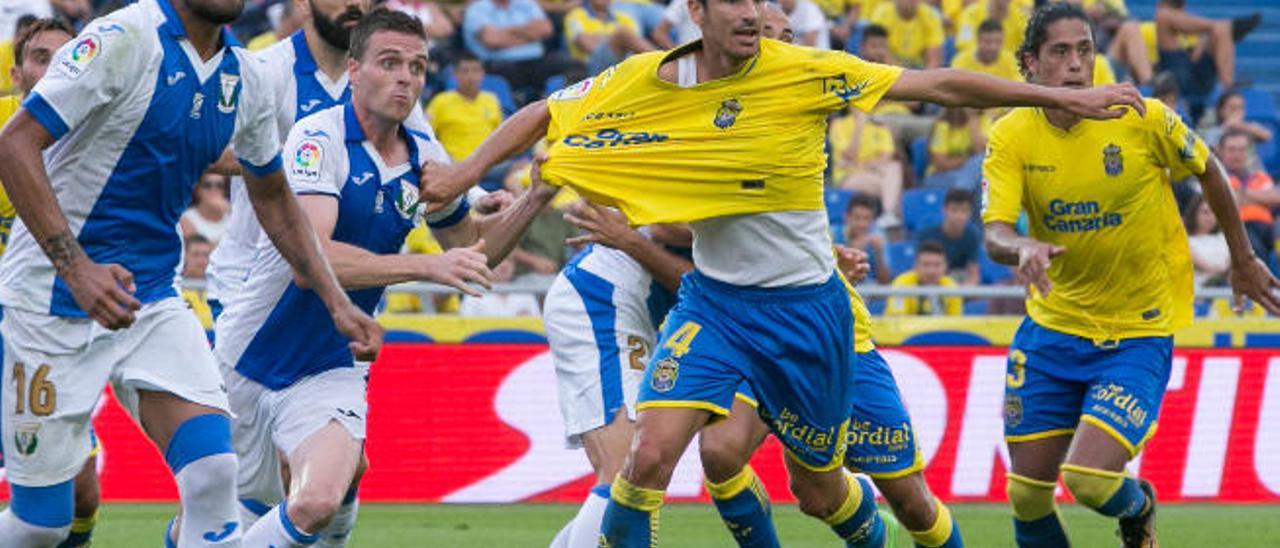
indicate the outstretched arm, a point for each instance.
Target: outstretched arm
{"x":961,"y":88}
{"x":441,"y":183}
{"x":1249,"y":276}
{"x":501,"y":231}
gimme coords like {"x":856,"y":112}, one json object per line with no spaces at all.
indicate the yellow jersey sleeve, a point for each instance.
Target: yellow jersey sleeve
{"x":848,"y":81}
{"x":8,"y":107}
{"x":951,"y":306}
{"x":1002,"y":179}
{"x":1176,"y":145}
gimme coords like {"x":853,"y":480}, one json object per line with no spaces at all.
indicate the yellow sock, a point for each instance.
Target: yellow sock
{"x":939,"y":532}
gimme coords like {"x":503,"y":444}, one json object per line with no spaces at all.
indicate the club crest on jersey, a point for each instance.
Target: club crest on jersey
{"x":1112,"y":161}
{"x":1012,"y":409}
{"x":73,"y":62}
{"x":728,"y":113}
{"x":665,"y":373}
{"x":229,"y":94}
{"x":26,"y":438}
{"x":407,"y":199}
{"x":306,"y":161}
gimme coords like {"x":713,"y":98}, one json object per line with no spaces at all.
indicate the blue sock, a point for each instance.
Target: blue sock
{"x":631,"y":519}
{"x":856,"y":521}
{"x":744,"y":506}
{"x":1045,"y":532}
{"x":1128,"y":501}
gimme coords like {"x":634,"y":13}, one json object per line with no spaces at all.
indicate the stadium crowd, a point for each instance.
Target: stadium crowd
{"x":904,"y":182}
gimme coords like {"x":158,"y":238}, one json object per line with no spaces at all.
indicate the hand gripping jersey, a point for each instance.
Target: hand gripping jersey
{"x":276,"y":332}
{"x":751,"y":142}
{"x":137,"y":116}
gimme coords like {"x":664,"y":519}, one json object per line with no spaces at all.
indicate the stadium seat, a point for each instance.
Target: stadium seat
{"x":837,"y":233}
{"x":990,"y":271}
{"x":1268,"y":152}
{"x":554,"y":84}
{"x":902,"y":256}
{"x":977,"y":307}
{"x":876,"y":306}
{"x":922,"y":208}
{"x":1259,"y":106}
{"x":948,"y":50}
{"x":919,"y":156}
{"x":837,"y":200}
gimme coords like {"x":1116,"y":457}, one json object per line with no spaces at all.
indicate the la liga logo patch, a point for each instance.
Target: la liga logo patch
{"x":306,"y":161}
{"x":76,"y":60}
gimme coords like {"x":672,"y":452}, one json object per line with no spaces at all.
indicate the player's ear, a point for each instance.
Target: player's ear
{"x":353,"y":67}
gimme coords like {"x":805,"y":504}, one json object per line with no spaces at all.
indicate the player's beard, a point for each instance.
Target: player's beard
{"x":218,"y":12}
{"x":333,"y":31}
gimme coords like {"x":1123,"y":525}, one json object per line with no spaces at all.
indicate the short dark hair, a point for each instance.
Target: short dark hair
{"x":464,"y":56}
{"x":1232,"y":134}
{"x":28,"y":32}
{"x":874,"y":31}
{"x":383,"y":19}
{"x":931,"y":246}
{"x":197,"y":238}
{"x":990,"y":25}
{"x":958,"y":196}
{"x":862,"y":200}
{"x":1222,"y":100}
{"x":1038,"y":29}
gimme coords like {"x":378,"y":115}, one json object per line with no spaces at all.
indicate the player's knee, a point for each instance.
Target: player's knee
{"x":652,"y":462}
{"x":818,"y":498}
{"x":1031,"y":499}
{"x":720,"y":460}
{"x":361,"y":468}
{"x":1091,"y":487}
{"x":311,"y":510}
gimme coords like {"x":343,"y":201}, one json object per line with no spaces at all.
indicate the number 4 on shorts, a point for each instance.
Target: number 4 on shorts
{"x":682,"y":338}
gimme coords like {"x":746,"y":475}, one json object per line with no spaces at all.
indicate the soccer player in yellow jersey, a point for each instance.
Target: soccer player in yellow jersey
{"x":1110,"y":277}
{"x":33,"y":47}
{"x":727,"y":133}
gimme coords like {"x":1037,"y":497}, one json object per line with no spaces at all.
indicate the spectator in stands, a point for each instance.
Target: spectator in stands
{"x":285,"y":19}
{"x":858,"y":218}
{"x":1012,"y":21}
{"x":600,"y":36}
{"x":989,"y":56}
{"x":863,"y":159}
{"x":1229,"y":115}
{"x":905,"y":124}
{"x":929,"y":271}
{"x":959,"y":237}
{"x":463,"y":117}
{"x":1256,"y":193}
{"x":1209,"y":253}
{"x":646,"y":13}
{"x":195,"y":259}
{"x":915,"y":32}
{"x":207,"y":216}
{"x":507,"y":36}
{"x":1165,"y":88}
{"x":845,"y":17}
{"x":808,"y":23}
{"x":677,"y":26}
{"x":1198,"y":67}
{"x":502,"y":305}
{"x":956,"y":146}
{"x":436,"y":24}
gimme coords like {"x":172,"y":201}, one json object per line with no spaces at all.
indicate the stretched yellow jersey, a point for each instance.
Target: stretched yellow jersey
{"x":1101,"y":190}
{"x":8,"y":107}
{"x":751,"y":142}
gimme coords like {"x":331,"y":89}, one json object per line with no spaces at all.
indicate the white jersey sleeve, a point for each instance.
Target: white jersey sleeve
{"x":89,"y":72}
{"x":256,"y":143}
{"x":315,"y":154}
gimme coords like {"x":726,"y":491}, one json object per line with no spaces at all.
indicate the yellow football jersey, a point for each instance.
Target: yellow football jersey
{"x":861,"y":320}
{"x":8,"y":107}
{"x":1102,"y":72}
{"x":920,"y":306}
{"x":909,"y":38}
{"x":461,"y":124}
{"x":1014,"y":25}
{"x":1101,"y":190}
{"x":583,"y":21}
{"x":751,"y":142}
{"x":876,"y":141}
{"x":1006,"y":66}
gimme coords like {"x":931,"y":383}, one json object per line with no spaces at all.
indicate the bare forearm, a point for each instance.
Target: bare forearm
{"x":1004,"y":244}
{"x":502,"y":231}
{"x":960,"y":88}
{"x":516,"y":134}
{"x":31,"y":193}
{"x":290,"y":231}
{"x":664,"y":266}
{"x":1217,"y":192}
{"x":357,"y":268}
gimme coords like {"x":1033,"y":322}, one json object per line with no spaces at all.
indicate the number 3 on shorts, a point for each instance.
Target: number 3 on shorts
{"x":43,"y":395}
{"x":682,"y":338}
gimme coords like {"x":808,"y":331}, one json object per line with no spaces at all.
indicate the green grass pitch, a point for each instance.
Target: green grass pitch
{"x":694,"y":525}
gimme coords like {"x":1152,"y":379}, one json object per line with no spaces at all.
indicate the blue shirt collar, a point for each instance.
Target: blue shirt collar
{"x":355,"y":134}
{"x":305,"y":63}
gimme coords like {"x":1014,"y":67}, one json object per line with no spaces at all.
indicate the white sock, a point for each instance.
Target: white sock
{"x":207,"y":487}
{"x":335,"y":535}
{"x":16,"y":532}
{"x":275,"y":529}
{"x":586,"y":525}
{"x":562,"y":538}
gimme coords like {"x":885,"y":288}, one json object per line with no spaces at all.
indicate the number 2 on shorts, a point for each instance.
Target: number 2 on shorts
{"x":682,"y":338}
